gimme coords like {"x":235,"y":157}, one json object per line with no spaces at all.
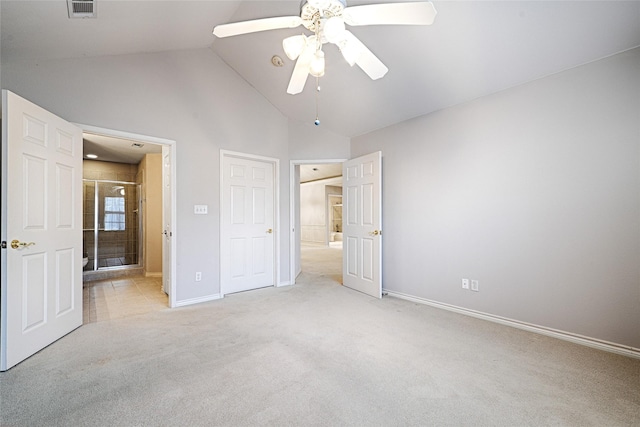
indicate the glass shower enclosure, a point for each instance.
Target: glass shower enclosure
{"x":112,"y":224}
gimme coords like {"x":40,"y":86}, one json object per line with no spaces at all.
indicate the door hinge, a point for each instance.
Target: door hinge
{"x":4,"y":244}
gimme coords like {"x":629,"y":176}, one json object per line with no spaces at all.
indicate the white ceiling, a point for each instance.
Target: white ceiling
{"x":118,"y":150}
{"x":309,"y":173}
{"x":474,"y":48}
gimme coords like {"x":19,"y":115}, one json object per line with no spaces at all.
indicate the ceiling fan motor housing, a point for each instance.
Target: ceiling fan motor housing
{"x":311,"y":11}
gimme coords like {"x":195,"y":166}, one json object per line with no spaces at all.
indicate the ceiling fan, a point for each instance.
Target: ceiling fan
{"x":327,"y":19}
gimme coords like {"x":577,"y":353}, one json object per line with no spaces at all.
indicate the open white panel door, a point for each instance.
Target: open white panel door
{"x":361,"y":223}
{"x":41,"y":296}
{"x":166,"y":219}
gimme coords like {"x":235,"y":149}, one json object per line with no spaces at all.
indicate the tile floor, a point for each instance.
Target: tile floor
{"x":110,"y":299}
{"x":125,"y":297}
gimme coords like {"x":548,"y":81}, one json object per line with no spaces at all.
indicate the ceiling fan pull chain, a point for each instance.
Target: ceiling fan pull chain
{"x":317,"y":122}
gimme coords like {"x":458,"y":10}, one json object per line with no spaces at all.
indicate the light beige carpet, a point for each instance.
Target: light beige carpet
{"x":316,"y":353}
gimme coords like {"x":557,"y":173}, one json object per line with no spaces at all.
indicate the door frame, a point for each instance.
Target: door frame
{"x":294,"y":205}
{"x":276,"y":210}
{"x":173,"y":147}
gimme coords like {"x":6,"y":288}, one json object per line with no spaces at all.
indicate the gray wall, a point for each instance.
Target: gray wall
{"x":310,"y":142}
{"x":188,"y":96}
{"x":534,"y":191}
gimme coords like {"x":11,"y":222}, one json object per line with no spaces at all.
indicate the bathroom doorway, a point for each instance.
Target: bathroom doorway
{"x":122,"y":182}
{"x":129,"y":202}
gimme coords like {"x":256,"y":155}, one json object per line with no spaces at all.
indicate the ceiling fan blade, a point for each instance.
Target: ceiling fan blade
{"x":419,"y":13}
{"x":245,"y":27}
{"x":301,"y":70}
{"x":364,"y":58}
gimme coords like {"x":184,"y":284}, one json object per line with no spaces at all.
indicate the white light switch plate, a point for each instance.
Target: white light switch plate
{"x":200,"y":209}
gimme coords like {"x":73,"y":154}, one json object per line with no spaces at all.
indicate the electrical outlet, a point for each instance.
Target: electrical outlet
{"x":475,"y":286}
{"x":198,"y":276}
{"x":465,"y":283}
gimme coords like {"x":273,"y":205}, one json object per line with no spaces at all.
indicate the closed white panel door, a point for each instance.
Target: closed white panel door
{"x":247,"y":258}
{"x":361,"y":222}
{"x":41,"y":295}
{"x":166,"y":219}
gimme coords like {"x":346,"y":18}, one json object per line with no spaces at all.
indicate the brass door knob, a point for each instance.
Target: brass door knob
{"x":15,"y":244}
{"x":270,"y":230}
{"x":375,"y":233}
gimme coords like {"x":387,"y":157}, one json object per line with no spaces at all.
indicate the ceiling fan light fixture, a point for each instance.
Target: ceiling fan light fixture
{"x":326,"y":19}
{"x":294,"y":45}
{"x":317,"y":65}
{"x":351,"y":51}
{"x":333,"y":29}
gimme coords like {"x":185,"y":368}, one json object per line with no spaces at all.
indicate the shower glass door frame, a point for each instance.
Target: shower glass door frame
{"x":96,"y":224}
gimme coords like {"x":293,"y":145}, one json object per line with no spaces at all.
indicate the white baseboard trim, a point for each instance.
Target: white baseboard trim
{"x":198,"y":300}
{"x":148,"y":274}
{"x":566,"y":336}
{"x":281,"y":284}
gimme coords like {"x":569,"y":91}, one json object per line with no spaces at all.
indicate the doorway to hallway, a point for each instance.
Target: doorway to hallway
{"x":318,"y":219}
{"x":322,"y":260}
{"x":361,"y":226}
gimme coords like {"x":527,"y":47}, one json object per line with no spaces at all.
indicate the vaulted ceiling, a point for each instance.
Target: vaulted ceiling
{"x":474,"y":48}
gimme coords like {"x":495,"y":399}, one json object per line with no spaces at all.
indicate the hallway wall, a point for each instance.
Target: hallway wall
{"x":314,"y":219}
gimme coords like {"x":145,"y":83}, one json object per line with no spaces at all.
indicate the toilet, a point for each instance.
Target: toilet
{"x":85,"y":261}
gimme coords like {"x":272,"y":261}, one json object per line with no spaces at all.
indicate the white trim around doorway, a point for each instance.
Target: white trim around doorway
{"x":172,"y":146}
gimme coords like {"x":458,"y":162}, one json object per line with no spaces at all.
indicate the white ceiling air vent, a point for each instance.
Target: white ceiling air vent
{"x":81,"y":8}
